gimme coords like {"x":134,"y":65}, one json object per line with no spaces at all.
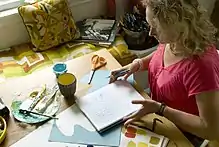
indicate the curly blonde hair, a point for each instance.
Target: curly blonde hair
{"x":199,"y":33}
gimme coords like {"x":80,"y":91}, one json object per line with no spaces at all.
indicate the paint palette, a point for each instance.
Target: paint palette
{"x":23,"y":101}
{"x":133,"y":136}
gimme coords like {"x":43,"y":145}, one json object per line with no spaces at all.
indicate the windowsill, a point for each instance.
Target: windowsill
{"x":14,"y":11}
{"x":8,"y":12}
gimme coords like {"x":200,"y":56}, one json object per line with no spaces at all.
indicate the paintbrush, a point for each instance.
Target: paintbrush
{"x":31,"y":112}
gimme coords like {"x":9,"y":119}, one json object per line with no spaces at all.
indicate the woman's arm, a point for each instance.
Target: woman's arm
{"x":205,"y":126}
{"x":135,"y":66}
{"x":143,"y":63}
{"x":146,"y":60}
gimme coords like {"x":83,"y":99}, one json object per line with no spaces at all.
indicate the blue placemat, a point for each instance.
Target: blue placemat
{"x":81,"y":135}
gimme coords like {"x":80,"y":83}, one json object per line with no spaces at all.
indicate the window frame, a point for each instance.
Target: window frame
{"x":10,"y":4}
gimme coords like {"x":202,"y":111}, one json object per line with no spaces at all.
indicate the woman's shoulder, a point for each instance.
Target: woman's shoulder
{"x":210,"y":55}
{"x":209,"y":60}
{"x":202,"y":74}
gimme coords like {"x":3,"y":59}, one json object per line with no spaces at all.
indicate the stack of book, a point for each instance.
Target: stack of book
{"x":98,"y":31}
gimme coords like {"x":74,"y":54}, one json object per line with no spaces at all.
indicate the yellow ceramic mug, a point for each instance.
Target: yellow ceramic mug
{"x":67,"y":84}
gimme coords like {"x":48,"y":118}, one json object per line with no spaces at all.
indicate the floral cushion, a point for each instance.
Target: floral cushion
{"x":49,"y":23}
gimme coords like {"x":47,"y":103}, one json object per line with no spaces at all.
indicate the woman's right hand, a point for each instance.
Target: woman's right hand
{"x":133,"y":68}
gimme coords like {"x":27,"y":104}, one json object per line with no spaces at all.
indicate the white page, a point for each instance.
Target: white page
{"x":109,"y":104}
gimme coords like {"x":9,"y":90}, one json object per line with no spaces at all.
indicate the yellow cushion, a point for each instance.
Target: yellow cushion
{"x":120,"y":51}
{"x":49,"y":23}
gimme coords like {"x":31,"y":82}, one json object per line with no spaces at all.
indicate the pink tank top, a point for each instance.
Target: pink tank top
{"x":177,"y":84}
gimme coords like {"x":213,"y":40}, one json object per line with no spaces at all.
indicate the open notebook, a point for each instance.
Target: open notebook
{"x":107,"y":106}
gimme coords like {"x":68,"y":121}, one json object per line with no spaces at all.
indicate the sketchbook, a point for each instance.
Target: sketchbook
{"x":107,"y":106}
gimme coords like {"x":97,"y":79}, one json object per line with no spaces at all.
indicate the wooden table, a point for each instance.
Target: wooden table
{"x":79,"y":67}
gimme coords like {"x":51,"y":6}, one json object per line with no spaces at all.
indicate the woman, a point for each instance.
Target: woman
{"x":184,"y":70}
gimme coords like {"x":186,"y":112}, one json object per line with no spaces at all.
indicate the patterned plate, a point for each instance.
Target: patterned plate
{"x":51,"y":110}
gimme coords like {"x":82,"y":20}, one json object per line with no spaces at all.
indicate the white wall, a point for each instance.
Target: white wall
{"x":13,"y":32}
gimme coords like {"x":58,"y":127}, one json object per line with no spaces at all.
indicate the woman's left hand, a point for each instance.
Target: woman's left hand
{"x":148,"y":106}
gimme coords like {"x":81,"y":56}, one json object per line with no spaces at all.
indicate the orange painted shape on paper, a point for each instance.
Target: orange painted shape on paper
{"x":142,"y":144}
{"x":130,"y":135}
{"x":131,"y":130}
